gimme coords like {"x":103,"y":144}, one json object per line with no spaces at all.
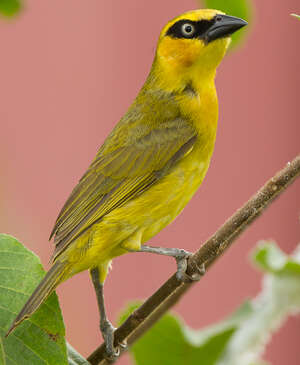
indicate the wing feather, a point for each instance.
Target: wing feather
{"x":121,"y":172}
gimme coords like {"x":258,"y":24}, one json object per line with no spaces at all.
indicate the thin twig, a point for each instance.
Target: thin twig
{"x":170,"y":292}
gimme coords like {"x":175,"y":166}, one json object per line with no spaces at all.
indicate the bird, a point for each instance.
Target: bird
{"x":149,"y":166}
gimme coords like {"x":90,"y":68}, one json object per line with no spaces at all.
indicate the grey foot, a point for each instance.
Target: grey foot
{"x":107,"y":330}
{"x":182,"y":264}
{"x":123,"y":345}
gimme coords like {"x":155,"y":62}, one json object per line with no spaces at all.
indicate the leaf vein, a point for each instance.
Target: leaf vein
{"x":29,"y":348}
{"x":11,"y":359}
{"x":15,"y":253}
{"x":13,"y":269}
{"x":3,"y":353}
{"x":47,"y":305}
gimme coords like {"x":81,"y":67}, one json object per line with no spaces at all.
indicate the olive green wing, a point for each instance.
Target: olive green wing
{"x":120,"y":174}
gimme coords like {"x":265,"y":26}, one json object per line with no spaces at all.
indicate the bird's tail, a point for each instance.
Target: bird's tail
{"x":53,"y":277}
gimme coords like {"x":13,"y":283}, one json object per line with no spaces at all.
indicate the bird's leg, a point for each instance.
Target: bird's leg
{"x":106,"y":327}
{"x":181,"y":256}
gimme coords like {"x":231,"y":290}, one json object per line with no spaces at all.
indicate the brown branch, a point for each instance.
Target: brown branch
{"x":169,"y":293}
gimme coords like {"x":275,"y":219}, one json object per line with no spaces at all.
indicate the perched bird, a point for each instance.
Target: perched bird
{"x":150,"y":165}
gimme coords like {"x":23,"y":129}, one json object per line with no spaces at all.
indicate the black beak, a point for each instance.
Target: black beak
{"x":223,"y":26}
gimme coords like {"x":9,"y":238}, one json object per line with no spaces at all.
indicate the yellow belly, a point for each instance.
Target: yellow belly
{"x":140,"y":219}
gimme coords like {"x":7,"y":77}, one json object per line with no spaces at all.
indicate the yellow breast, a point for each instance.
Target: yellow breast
{"x":143,"y":217}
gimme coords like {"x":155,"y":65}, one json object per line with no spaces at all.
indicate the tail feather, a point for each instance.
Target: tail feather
{"x":53,"y":277}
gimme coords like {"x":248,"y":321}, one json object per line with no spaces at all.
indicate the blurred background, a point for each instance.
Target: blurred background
{"x":68,"y":72}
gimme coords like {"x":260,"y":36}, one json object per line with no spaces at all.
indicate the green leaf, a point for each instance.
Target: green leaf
{"x":40,"y":339}
{"x":270,"y":258}
{"x":296,"y":16}
{"x":173,"y":347}
{"x":171,"y":342}
{"x":239,"y":8}
{"x":10,"y":7}
{"x":233,"y":321}
{"x":125,"y":313}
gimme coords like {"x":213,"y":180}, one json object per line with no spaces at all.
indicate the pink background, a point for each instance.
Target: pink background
{"x":69,"y":70}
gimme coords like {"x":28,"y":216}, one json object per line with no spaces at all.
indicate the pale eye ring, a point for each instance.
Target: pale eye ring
{"x":188,"y":29}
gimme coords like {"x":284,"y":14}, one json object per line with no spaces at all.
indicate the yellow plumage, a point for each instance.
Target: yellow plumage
{"x":163,"y":99}
{"x":153,"y":161}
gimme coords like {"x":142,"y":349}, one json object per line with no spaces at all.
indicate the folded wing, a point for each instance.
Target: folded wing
{"x":119,"y":174}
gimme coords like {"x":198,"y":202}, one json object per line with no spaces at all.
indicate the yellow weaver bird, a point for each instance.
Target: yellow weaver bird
{"x":150,"y":165}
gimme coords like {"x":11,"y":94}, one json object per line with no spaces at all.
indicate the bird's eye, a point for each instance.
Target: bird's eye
{"x":187,"y":30}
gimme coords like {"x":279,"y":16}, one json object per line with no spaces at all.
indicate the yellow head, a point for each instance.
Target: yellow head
{"x":195,"y":43}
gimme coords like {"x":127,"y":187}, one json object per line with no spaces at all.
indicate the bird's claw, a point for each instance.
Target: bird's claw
{"x":112,"y":356}
{"x":107,"y":329}
{"x":123,"y":345}
{"x":183,"y":259}
{"x":112,"y":352}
